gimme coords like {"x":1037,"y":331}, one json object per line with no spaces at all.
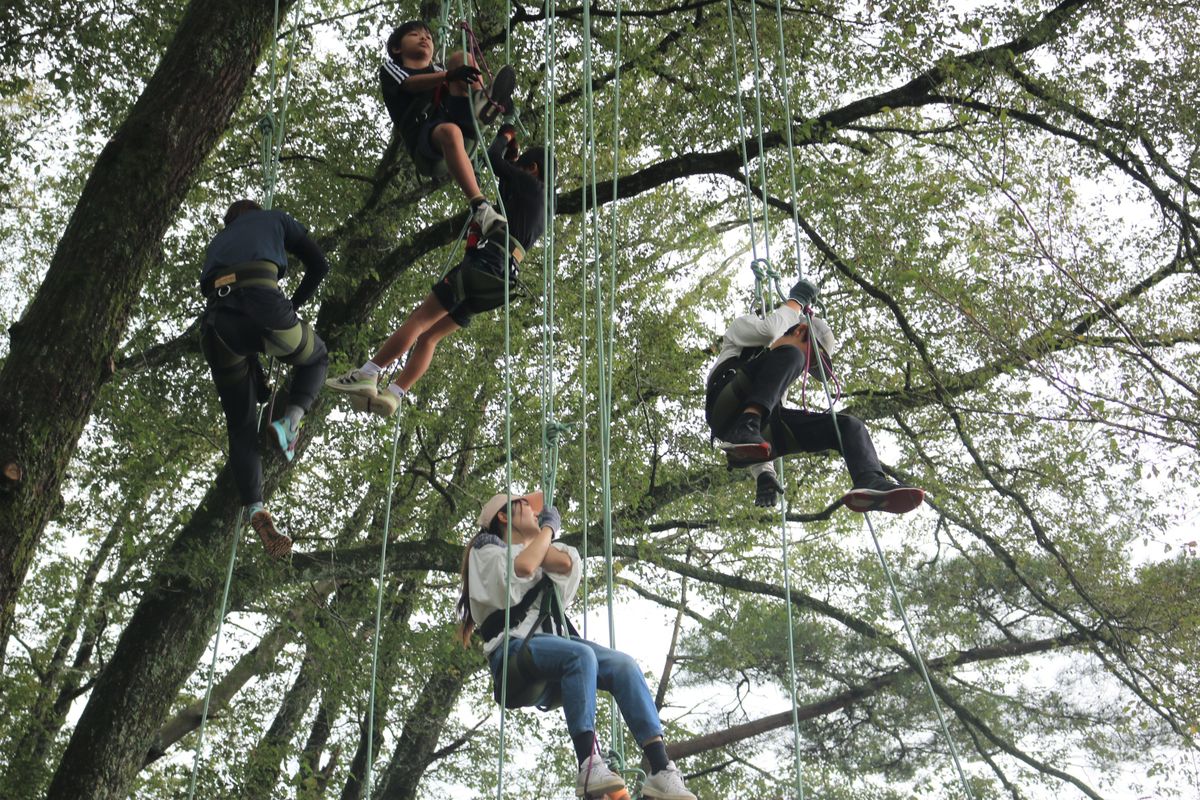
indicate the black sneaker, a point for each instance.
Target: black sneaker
{"x":743,"y":442}
{"x":745,"y":430}
{"x":768,"y":490}
{"x":497,"y":99}
{"x":879,"y":493}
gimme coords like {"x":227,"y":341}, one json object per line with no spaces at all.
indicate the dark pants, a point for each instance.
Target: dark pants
{"x":763,"y":382}
{"x":233,"y":330}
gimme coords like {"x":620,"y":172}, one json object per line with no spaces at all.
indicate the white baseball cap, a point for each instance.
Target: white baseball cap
{"x":494,"y":506}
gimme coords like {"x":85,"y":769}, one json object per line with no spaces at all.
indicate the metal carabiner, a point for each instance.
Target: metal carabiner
{"x":224,"y":291}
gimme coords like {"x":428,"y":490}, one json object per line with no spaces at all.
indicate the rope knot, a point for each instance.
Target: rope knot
{"x":552,"y":430}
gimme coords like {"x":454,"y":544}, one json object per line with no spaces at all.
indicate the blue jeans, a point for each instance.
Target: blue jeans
{"x":582,"y":667}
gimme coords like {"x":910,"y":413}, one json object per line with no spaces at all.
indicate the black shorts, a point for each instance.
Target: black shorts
{"x":455,"y":110}
{"x":475,"y":285}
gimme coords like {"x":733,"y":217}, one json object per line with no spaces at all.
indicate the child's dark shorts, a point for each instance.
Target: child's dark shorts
{"x":474,"y":286}
{"x":454,"y":109}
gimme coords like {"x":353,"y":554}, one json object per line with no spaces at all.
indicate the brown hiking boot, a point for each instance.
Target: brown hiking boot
{"x":275,"y":543}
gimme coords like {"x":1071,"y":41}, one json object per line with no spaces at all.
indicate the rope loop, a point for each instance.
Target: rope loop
{"x":762,"y":269}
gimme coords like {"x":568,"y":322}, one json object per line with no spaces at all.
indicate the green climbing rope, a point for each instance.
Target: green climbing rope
{"x":774,"y":276}
{"x":507,"y":434}
{"x":272,"y":143}
{"x":763,"y":273}
{"x":387,"y":523}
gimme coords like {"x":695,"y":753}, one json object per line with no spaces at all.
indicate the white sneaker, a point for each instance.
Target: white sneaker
{"x":384,"y":404}
{"x":487,"y":218}
{"x":355,"y":382}
{"x":595,"y":778}
{"x":666,"y":784}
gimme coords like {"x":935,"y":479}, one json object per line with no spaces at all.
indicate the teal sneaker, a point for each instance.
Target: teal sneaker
{"x":285,"y":437}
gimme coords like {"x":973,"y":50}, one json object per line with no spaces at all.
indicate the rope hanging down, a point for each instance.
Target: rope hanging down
{"x":895,"y":594}
{"x":765,"y":277}
{"x":507,"y":435}
{"x":272,"y":142}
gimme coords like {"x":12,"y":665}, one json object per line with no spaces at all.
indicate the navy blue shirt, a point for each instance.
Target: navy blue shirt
{"x":523,"y":195}
{"x":267,"y":236}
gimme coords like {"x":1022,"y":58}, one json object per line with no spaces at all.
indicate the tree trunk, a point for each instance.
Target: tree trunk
{"x":415,"y":748}
{"x":266,"y":759}
{"x":392,"y":637}
{"x":79,"y":313}
{"x":157,"y":651}
{"x":310,"y":779}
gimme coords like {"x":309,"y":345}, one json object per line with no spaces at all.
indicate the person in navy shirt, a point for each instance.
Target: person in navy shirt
{"x":247,"y":314}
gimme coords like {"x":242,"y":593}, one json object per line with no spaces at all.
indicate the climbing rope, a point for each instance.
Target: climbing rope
{"x":271,"y":144}
{"x":272,"y":130}
{"x":765,"y":276}
{"x":387,"y":523}
{"x":773,"y":277}
{"x":507,"y":435}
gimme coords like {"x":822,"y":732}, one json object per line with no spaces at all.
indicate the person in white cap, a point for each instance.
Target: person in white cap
{"x":760,"y":358}
{"x":574,"y":665}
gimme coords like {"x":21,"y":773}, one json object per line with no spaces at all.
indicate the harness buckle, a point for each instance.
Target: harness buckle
{"x":223,"y":291}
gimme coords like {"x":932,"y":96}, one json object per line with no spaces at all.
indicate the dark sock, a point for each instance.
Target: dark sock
{"x":656,"y":754}
{"x":583,"y":745}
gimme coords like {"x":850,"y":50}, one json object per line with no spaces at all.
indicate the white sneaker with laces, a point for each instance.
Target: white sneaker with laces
{"x":596,"y":779}
{"x":666,"y":784}
{"x":355,"y":382}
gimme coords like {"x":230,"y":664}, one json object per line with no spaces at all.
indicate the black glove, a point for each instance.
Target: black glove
{"x":804,"y":292}
{"x":550,"y":518}
{"x":464,"y":73}
{"x":768,"y":490}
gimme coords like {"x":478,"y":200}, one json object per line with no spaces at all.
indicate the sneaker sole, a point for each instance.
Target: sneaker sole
{"x":499,"y":94}
{"x":371,"y":405}
{"x":746,"y":453}
{"x":897,"y":501}
{"x":281,"y":440}
{"x":601,"y":790}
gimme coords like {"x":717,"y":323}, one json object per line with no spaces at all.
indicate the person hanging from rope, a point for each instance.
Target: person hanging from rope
{"x":548,"y":662}
{"x":760,"y":358}
{"x":474,"y":286}
{"x":246,"y":315}
{"x":431,"y":108}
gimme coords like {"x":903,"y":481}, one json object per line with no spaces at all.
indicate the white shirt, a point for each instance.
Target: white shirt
{"x":754,"y":331}
{"x":487,"y":569}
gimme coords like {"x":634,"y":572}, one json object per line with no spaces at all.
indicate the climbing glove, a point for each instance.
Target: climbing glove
{"x":550,"y":518}
{"x":465,"y":73}
{"x":804,"y":292}
{"x":511,"y":149}
{"x":767,"y":491}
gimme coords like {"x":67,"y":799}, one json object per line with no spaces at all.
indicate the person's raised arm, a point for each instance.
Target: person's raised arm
{"x":428,"y":81}
{"x":316,"y":266}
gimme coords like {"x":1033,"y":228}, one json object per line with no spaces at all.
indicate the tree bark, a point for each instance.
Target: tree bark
{"x":415,"y":749}
{"x":310,"y":779}
{"x":266,"y":759}
{"x":79,"y":313}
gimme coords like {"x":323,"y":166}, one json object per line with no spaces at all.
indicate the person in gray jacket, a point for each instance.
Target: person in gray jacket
{"x":760,"y":358}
